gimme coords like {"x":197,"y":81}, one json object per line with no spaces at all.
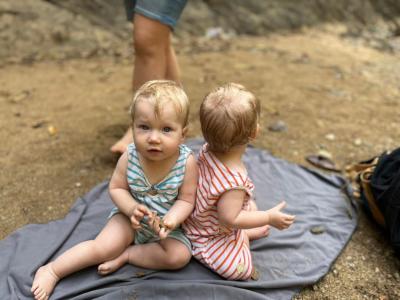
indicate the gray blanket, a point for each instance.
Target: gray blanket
{"x":287,"y":260}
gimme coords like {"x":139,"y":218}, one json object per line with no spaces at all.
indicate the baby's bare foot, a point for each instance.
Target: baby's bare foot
{"x":113,"y":265}
{"x":44,"y":282}
{"x":121,"y":144}
{"x":258,"y":232}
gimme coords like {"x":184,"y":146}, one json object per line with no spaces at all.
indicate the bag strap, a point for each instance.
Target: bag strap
{"x":365,"y":182}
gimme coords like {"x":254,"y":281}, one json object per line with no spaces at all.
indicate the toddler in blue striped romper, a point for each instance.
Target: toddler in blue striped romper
{"x":153,"y":188}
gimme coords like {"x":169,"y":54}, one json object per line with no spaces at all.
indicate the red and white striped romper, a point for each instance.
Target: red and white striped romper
{"x":222,"y":249}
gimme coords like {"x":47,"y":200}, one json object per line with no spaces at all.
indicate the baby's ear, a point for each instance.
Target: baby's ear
{"x":185,"y":131}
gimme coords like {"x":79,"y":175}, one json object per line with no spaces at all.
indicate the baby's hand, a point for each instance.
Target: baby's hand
{"x":166,"y":226}
{"x":279,"y":219}
{"x":138,"y":213}
{"x":154,"y":221}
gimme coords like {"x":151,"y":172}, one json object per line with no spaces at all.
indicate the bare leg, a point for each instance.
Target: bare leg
{"x":168,"y":254}
{"x":258,"y":232}
{"x":115,"y":237}
{"x":154,"y":59}
{"x":173,"y":72}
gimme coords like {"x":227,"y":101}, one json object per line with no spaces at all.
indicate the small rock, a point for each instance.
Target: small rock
{"x":377,"y":270}
{"x":78,"y":184}
{"x":349,"y":258}
{"x":21,"y":96}
{"x":317,"y":229}
{"x":278,"y":126}
{"x":358,"y":142}
{"x":397,"y":276}
{"x":335,"y":272}
{"x":324,"y":153}
{"x":38,"y":124}
{"x":330,"y":137}
{"x":51,"y":130}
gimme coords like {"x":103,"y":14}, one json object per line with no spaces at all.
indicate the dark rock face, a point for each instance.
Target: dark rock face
{"x":56,"y":29}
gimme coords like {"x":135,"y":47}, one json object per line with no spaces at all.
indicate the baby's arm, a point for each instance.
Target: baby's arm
{"x":121,"y":196}
{"x":184,"y":205}
{"x":231,"y":214}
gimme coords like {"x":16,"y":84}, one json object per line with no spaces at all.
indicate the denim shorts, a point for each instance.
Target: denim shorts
{"x":164,"y":11}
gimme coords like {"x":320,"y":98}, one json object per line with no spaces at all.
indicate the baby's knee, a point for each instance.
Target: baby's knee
{"x":178,"y":259}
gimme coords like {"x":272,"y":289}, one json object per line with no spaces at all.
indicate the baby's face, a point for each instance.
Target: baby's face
{"x":157,"y":137}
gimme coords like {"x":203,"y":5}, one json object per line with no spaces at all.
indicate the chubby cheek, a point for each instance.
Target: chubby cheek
{"x":139,"y":140}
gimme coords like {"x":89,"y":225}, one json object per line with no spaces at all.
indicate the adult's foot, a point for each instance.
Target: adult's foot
{"x":113,"y":265}
{"x":44,"y":282}
{"x":121,"y":144}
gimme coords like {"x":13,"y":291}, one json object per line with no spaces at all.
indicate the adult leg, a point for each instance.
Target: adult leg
{"x":115,"y":237}
{"x":154,"y":59}
{"x":168,"y":254}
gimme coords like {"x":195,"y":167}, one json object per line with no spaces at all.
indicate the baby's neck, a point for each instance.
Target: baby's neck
{"x":233,"y":157}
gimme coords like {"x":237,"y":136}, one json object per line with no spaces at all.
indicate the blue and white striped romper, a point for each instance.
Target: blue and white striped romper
{"x":162,"y":196}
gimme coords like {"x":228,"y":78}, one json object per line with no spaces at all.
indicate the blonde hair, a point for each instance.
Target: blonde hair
{"x":229,"y":116}
{"x":159,"y":93}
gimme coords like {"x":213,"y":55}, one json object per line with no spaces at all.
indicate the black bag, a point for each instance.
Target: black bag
{"x":385,"y":188}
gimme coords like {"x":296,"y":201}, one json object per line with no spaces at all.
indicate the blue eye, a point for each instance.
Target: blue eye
{"x":167,"y":129}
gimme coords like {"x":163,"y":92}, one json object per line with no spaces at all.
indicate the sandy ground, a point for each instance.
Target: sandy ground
{"x":59,"y":118}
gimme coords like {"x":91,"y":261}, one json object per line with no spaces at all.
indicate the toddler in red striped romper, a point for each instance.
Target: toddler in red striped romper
{"x":225,"y":217}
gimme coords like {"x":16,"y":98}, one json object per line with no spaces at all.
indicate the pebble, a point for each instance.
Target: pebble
{"x":330,"y":137}
{"x":358,"y":142}
{"x":278,"y":126}
{"x":324,"y":153}
{"x":38,"y":124}
{"x":317,"y":229}
{"x":377,"y":270}
{"x":21,"y":96}
{"x":52,"y":130}
{"x":78,"y":184}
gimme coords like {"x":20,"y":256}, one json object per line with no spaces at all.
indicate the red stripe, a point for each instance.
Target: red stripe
{"x":211,"y":245}
{"x":211,"y":169}
{"x":228,"y":255}
{"x":217,"y":165}
{"x":232,"y":267}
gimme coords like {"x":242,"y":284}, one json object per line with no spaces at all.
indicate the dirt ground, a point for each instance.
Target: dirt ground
{"x":59,"y":118}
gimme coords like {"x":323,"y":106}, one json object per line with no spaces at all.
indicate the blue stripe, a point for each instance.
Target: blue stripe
{"x":172,"y":179}
{"x":131,"y":176}
{"x":181,"y":159}
{"x":135,"y":164}
{"x":179,"y":167}
{"x":172,"y":189}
